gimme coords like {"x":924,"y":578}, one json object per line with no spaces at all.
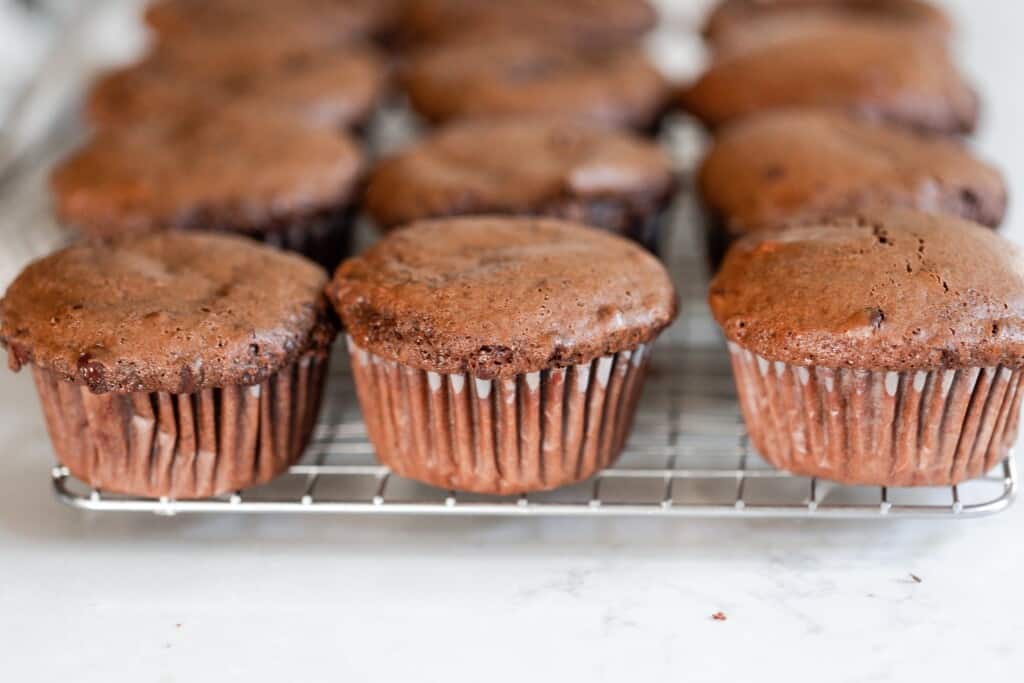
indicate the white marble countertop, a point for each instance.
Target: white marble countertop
{"x":94,"y":597}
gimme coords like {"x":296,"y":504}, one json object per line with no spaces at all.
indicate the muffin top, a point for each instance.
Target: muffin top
{"x":315,"y":23}
{"x":874,"y":72}
{"x":890,"y":289}
{"x":337,"y":87}
{"x":586,"y":23}
{"x":736,"y":23}
{"x":764,"y":170}
{"x":168,"y":312}
{"x":530,"y":166}
{"x":239,"y":168}
{"x":496,"y":297}
{"x":521,"y":76}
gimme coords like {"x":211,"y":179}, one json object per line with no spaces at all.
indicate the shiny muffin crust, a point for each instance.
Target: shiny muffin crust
{"x":887,"y":289}
{"x":170,"y":312}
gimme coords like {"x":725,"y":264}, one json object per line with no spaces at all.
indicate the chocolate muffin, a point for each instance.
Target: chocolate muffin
{"x":239,"y":169}
{"x":883,"y":348}
{"x":500,"y":355}
{"x":178,"y":365}
{"x":768,"y":169}
{"x":309,"y":23}
{"x":336,"y":88}
{"x":521,"y":76}
{"x":875,"y":73}
{"x":734,"y":24}
{"x":590,"y":24}
{"x":605,"y":178}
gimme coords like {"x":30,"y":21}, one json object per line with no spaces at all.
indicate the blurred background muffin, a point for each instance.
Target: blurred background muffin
{"x":602,"y":177}
{"x":515,"y":76}
{"x":876,"y":72}
{"x":336,"y":87}
{"x":245,"y":170}
{"x":590,"y":24}
{"x":771,"y":168}
{"x":735,"y":25}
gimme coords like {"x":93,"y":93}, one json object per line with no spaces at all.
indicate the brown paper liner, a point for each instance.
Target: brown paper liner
{"x":184,"y":445}
{"x":649,"y":230}
{"x":530,"y":432}
{"x":645,"y":227}
{"x":923,"y":428}
{"x":324,"y":237}
{"x":717,"y":241}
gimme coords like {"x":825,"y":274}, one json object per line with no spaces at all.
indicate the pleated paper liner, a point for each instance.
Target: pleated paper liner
{"x":647,"y":228}
{"x":184,"y":445}
{"x":532,"y":432}
{"x":325,"y":237}
{"x":923,"y":428}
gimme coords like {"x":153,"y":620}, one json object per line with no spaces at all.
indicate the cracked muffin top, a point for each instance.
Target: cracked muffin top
{"x":497,"y":297}
{"x":888,"y":289}
{"x":174,"y":312}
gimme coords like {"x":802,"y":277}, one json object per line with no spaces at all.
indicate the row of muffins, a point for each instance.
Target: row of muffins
{"x":873,"y":317}
{"x":206,"y":165}
{"x":490,"y":354}
{"x":257,"y":173}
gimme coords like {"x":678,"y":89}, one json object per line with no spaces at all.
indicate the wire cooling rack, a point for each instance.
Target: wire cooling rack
{"x":688,"y":455}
